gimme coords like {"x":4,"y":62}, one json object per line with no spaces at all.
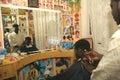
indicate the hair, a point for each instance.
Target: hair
{"x":64,"y":37}
{"x":80,"y":46}
{"x":28,"y":40}
{"x":15,"y":26}
{"x":69,"y":36}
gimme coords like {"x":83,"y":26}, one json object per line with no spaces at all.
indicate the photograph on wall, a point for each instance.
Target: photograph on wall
{"x":22,"y":25}
{"x":33,"y":3}
{"x":71,"y":27}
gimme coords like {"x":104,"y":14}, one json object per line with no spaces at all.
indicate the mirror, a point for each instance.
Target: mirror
{"x":43,"y":26}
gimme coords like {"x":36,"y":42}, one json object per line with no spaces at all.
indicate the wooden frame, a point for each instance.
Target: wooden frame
{"x":32,"y":3}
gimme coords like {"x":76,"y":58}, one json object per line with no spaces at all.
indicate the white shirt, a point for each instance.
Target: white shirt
{"x":109,"y":66}
{"x":15,"y":39}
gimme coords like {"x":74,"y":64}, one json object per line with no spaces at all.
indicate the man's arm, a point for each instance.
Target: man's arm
{"x":109,"y":66}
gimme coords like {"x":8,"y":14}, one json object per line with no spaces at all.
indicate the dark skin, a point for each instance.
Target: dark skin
{"x":115,"y":6}
{"x":16,"y":30}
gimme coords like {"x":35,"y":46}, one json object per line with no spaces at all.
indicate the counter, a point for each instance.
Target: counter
{"x":9,"y":70}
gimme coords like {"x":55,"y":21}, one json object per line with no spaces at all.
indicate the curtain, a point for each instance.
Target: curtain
{"x":47,"y":28}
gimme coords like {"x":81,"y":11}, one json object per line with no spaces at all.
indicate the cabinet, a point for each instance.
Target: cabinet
{"x":7,"y":71}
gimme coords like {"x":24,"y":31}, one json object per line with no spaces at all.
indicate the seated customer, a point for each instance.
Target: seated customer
{"x":77,"y":71}
{"x":27,"y":46}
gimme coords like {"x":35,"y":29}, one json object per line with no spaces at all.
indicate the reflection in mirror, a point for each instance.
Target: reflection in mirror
{"x":47,"y":29}
{"x":43,"y":26}
{"x":11,"y":16}
{"x":7,"y":19}
{"x":22,"y":24}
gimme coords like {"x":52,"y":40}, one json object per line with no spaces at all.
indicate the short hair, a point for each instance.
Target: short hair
{"x":15,"y":26}
{"x":69,"y":36}
{"x":82,"y":44}
{"x":64,"y":37}
{"x":28,"y":38}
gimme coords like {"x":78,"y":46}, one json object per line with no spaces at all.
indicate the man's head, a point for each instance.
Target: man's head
{"x":16,"y":28}
{"x":80,"y":47}
{"x":28,"y":40}
{"x":115,"y":6}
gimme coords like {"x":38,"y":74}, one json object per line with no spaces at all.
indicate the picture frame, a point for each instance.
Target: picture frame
{"x":32,"y":3}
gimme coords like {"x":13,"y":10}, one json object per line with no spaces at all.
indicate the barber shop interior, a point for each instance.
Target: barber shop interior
{"x":59,"y":40}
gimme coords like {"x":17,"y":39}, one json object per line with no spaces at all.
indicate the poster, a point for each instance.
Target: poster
{"x":42,"y":69}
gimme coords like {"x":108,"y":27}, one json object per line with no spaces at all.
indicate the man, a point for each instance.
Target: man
{"x":109,"y":66}
{"x":15,"y":38}
{"x":27,"y":45}
{"x":77,"y":71}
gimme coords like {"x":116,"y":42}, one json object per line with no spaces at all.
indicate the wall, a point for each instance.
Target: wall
{"x":84,"y":19}
{"x":96,"y":18}
{"x":97,"y":15}
{"x":1,"y":32}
